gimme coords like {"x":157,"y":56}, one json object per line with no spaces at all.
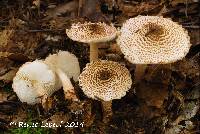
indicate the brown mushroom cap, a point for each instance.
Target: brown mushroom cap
{"x":91,"y":32}
{"x":153,"y":40}
{"x":105,"y":80}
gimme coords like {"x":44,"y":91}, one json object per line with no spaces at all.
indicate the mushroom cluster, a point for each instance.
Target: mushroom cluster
{"x":143,"y":40}
{"x":37,"y":79}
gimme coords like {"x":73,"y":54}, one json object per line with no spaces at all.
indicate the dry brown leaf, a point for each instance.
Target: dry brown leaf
{"x":47,"y":102}
{"x":194,"y":36}
{"x":113,"y":57}
{"x":189,"y":67}
{"x":133,"y":10}
{"x":148,"y":111}
{"x":5,"y":54}
{"x":159,"y":74}
{"x":58,"y":119}
{"x":162,"y":11}
{"x":110,"y":3}
{"x":153,"y":94}
{"x":21,"y":116}
{"x":16,"y":43}
{"x":85,"y":109}
{"x":176,"y":2}
{"x":3,"y":95}
{"x":76,"y":106}
{"x":88,"y":117}
{"x":191,"y":9}
{"x":90,"y":7}
{"x":69,"y":7}
{"x":114,"y":48}
{"x":5,"y":65}
{"x":36,"y":3}
{"x":8,"y":77}
{"x":189,"y":110}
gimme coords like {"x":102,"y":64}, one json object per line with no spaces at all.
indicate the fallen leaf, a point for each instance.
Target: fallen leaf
{"x":133,"y":10}
{"x":83,"y":108}
{"x":3,"y":95}
{"x":58,"y":118}
{"x":20,"y":116}
{"x":8,"y":77}
{"x":88,"y":117}
{"x":152,"y":94}
{"x":36,"y":3}
{"x":113,"y":57}
{"x":194,"y":36}
{"x":189,"y":110}
{"x":47,"y":102}
{"x":158,"y":74}
{"x":188,"y":67}
{"x":176,"y":2}
{"x":114,"y":48}
{"x":5,"y":65}
{"x":70,"y":7}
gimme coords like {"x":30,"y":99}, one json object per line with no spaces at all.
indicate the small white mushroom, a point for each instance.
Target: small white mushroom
{"x":32,"y":81}
{"x":66,"y":66}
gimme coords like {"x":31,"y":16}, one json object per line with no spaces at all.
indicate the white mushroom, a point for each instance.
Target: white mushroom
{"x":32,"y":81}
{"x":66,"y":66}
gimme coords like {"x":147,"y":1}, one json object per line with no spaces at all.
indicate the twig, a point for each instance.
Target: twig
{"x":194,"y":27}
{"x":186,"y":8}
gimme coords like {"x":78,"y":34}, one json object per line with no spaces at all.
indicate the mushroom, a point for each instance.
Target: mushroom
{"x":105,"y":80}
{"x":66,"y":66}
{"x":152,"y":40}
{"x":92,"y":33}
{"x":32,"y":81}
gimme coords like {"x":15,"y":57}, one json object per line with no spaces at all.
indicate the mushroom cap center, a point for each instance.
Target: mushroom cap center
{"x":152,"y":31}
{"x":104,"y":75}
{"x":95,"y":28}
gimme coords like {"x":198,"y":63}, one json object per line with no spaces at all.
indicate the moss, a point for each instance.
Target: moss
{"x":30,"y":130}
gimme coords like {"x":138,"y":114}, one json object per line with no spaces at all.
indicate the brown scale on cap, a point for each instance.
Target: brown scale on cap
{"x":91,"y":32}
{"x":95,"y":29}
{"x":105,"y":80}
{"x":153,"y":40}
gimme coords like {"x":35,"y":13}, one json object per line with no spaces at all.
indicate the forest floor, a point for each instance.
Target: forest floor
{"x":165,"y":102}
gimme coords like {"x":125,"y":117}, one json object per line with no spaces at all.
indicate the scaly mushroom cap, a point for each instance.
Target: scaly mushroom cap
{"x":153,"y":40}
{"x":91,"y":32}
{"x":105,"y":80}
{"x":65,"y":61}
{"x":33,"y":80}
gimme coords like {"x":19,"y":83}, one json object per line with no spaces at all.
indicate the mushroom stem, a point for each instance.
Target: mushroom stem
{"x":107,"y":110}
{"x":139,"y":72}
{"x":67,"y":86}
{"x":93,"y":52}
